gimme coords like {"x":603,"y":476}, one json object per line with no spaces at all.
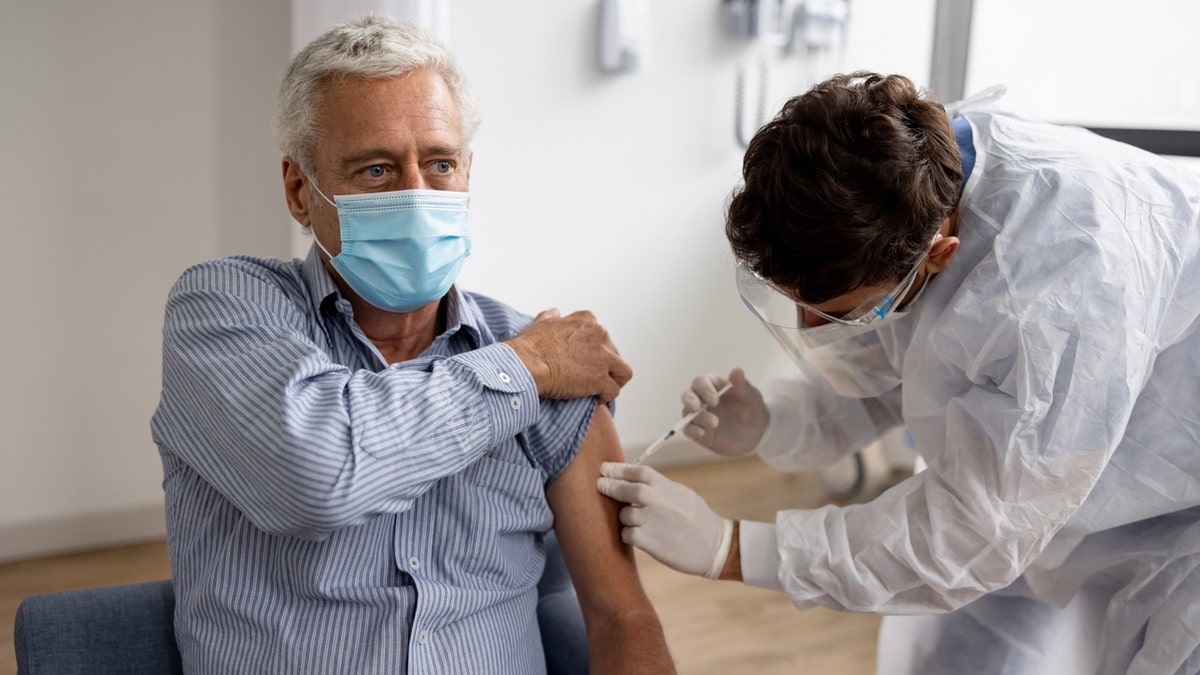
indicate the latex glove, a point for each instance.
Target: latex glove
{"x":733,"y":423}
{"x":666,"y":519}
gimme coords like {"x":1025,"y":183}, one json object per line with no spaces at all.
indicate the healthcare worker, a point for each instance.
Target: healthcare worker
{"x":1024,"y":298}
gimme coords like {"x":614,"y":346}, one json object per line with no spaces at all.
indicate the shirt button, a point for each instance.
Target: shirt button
{"x":423,"y":637}
{"x":414,"y":563}
{"x":505,"y":378}
{"x":515,"y":403}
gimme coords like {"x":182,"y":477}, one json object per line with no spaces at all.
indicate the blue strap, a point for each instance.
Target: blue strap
{"x":966,"y":147}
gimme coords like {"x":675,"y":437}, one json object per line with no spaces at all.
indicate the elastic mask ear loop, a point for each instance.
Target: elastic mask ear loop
{"x":317,"y":239}
{"x":925,"y":281}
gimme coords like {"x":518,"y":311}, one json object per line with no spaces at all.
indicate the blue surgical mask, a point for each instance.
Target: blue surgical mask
{"x":400,"y":250}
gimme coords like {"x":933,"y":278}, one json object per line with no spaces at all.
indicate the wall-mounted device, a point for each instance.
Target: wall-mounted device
{"x":820,"y":26}
{"x":768,"y":21}
{"x":623,"y":35}
{"x":799,"y":25}
{"x":812,"y":29}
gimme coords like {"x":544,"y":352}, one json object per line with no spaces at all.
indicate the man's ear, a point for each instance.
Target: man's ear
{"x":295,"y":190}
{"x":940,"y":253}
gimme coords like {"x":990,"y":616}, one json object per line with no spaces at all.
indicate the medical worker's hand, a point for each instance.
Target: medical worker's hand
{"x":733,"y":423}
{"x":666,"y":519}
{"x":571,"y":357}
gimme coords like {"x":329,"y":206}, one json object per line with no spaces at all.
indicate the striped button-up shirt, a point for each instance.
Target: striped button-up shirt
{"x":329,"y":513}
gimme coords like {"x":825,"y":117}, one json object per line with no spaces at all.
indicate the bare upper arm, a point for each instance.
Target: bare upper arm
{"x":625,"y":635}
{"x":585,"y":521}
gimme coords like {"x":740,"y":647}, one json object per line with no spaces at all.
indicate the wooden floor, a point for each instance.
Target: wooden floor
{"x":713,"y":627}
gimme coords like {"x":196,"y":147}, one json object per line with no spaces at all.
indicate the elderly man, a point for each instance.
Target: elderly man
{"x":361,"y":461}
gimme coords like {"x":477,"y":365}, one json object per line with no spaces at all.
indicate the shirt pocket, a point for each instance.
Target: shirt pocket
{"x":505,"y":516}
{"x":510,"y":490}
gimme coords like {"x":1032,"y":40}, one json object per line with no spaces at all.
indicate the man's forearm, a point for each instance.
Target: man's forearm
{"x":630,"y":643}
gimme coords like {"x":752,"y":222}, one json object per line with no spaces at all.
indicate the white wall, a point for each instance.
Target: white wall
{"x":1122,"y":63}
{"x":607,"y":192}
{"x":135,"y":140}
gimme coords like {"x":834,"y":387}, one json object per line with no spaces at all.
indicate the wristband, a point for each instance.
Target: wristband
{"x":718,"y":562}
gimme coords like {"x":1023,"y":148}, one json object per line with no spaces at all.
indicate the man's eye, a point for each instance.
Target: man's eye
{"x":443,"y":166}
{"x":376,"y":171}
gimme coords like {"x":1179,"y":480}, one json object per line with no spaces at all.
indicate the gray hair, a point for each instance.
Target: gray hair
{"x":370,"y":47}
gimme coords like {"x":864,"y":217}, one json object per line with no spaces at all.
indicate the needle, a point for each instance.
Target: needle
{"x":687,"y":419}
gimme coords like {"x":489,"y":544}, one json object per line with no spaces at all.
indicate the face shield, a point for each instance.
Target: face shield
{"x":846,"y":350}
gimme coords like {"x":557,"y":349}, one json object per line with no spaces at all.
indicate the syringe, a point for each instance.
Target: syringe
{"x":679,"y":426}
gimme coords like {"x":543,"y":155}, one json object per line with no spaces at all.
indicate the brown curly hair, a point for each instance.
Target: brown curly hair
{"x":845,"y":187}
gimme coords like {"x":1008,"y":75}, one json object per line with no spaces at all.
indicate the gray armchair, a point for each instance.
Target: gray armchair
{"x":131,"y":629}
{"x":119,"y":629}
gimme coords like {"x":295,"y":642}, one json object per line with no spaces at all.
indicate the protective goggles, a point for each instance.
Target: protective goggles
{"x":777,"y":308}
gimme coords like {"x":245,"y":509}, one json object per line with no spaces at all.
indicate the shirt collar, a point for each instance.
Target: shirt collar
{"x":321,"y":288}
{"x":463,"y":314}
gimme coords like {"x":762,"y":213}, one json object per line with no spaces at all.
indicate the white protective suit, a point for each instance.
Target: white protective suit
{"x":1051,"y":382}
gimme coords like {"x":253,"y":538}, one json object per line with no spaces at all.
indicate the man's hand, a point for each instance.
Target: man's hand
{"x":666,"y":519}
{"x":571,"y":357}
{"x":734,"y":423}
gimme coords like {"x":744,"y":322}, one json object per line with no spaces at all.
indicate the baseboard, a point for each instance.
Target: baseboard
{"x":66,"y":534}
